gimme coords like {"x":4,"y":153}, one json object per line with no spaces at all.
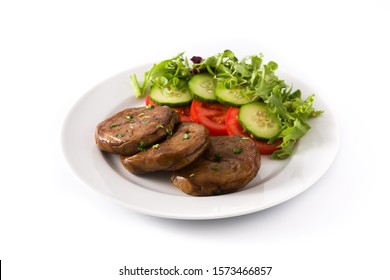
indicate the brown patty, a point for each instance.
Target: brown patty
{"x":229,"y":164}
{"x":133,"y":130}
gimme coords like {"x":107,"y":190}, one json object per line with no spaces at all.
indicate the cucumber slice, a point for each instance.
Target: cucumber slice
{"x":259,"y":121}
{"x":202,"y":87}
{"x":165,"y":96}
{"x":232,"y":97}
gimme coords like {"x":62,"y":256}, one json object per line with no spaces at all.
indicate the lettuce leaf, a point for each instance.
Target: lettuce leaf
{"x":173,"y":73}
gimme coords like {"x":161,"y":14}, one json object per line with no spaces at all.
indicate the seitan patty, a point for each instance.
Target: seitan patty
{"x":186,"y":144}
{"x":133,"y":130}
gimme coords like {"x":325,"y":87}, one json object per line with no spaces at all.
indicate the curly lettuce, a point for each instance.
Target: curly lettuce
{"x":256,"y":79}
{"x":172,"y":73}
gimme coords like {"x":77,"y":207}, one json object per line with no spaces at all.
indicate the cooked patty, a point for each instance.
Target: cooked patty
{"x":186,"y":144}
{"x":228,"y":164}
{"x":133,"y":130}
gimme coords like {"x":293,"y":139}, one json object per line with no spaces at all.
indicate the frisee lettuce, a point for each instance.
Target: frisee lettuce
{"x":256,"y":79}
{"x":172,"y":73}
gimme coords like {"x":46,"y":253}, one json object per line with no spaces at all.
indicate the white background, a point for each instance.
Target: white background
{"x":54,"y":227}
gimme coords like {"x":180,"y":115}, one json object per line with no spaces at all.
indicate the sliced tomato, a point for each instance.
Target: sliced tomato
{"x":212,"y":116}
{"x":148,"y":101}
{"x":233,"y":127}
{"x":184,"y":112}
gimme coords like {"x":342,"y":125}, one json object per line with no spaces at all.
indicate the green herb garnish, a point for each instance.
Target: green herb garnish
{"x":237,"y":150}
{"x":174,"y":72}
{"x":214,"y":167}
{"x":129,"y":117}
{"x":186,"y":136}
{"x":141,"y":146}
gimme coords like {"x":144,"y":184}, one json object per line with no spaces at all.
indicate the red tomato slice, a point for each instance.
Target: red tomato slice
{"x":184,"y":112}
{"x":233,"y":127}
{"x":212,"y":116}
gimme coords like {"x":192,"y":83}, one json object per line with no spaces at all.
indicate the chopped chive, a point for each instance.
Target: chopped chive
{"x":156,"y":146}
{"x":120,"y":134}
{"x":214,"y":167}
{"x":129,"y":117}
{"x":149,"y":106}
{"x":159,"y":126}
{"x":114,"y":125}
{"x":237,"y":150}
{"x":186,"y":136}
{"x":146,"y":122}
{"x":141,"y":146}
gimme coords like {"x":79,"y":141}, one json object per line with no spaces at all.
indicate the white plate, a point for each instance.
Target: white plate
{"x":154,"y":194}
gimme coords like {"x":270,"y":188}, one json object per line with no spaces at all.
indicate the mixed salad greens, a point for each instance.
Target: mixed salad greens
{"x":234,"y":83}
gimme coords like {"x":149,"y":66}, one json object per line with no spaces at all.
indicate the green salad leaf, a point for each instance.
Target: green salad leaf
{"x":172,"y":73}
{"x":250,"y":74}
{"x":259,"y":81}
{"x":254,"y":78}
